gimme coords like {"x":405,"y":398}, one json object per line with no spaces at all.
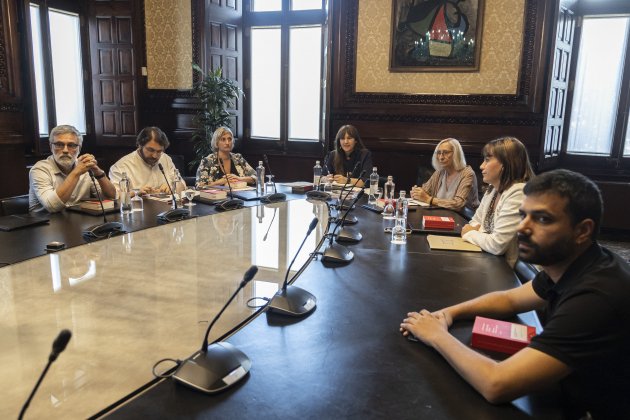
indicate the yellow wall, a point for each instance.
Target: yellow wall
{"x":502,"y":40}
{"x":169,"y":44}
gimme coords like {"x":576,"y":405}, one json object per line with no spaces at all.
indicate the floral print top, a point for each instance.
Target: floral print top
{"x":210,"y":171}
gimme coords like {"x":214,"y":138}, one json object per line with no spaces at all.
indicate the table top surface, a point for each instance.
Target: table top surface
{"x":134,"y":299}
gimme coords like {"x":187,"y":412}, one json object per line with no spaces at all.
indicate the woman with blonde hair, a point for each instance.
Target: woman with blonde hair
{"x":453,"y":185}
{"x":222,"y":164}
{"x":506,"y":169}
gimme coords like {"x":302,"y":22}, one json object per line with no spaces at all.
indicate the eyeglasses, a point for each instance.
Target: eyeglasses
{"x":443,"y":152}
{"x":59,"y":145}
{"x":152,"y":151}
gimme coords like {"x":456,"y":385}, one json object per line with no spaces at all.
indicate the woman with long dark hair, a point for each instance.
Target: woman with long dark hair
{"x":350,"y":162}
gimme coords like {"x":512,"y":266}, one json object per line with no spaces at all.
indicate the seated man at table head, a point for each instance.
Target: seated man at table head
{"x":453,"y":185}
{"x":505,"y":168}
{"x":222,"y":165}
{"x":585,"y":292}
{"x":349,"y":157}
{"x":62,"y":179}
{"x":141,"y":165}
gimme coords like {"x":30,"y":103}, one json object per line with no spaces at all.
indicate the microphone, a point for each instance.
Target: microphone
{"x":230,"y":203}
{"x":276,"y":196}
{"x":58,"y":346}
{"x":220,"y":365}
{"x":335,"y":252}
{"x":292,"y":300}
{"x":105,"y":229}
{"x":175,"y":213}
{"x":352,"y":220}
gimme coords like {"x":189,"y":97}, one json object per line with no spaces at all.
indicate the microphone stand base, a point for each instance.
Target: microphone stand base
{"x":336,"y":253}
{"x":293,"y":301}
{"x":173,"y":215}
{"x":274,"y":198}
{"x":318,"y":195}
{"x":351,"y":220}
{"x":214,"y":370}
{"x":229,"y":204}
{"x":348,"y":236}
{"x":103,"y":230}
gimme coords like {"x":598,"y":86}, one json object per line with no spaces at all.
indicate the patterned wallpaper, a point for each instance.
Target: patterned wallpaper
{"x":500,"y":54}
{"x":169,"y":44}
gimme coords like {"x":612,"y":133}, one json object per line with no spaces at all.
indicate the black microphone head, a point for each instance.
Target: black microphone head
{"x":312,"y":225}
{"x":161,"y":167}
{"x":249,"y":274}
{"x":61,"y":341}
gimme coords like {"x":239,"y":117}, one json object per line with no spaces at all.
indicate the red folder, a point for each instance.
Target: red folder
{"x":438,"y":222}
{"x":501,"y":336}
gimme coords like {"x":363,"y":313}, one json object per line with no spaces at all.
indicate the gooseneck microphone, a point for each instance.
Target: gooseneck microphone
{"x":59,"y":345}
{"x":219,"y":365}
{"x":231,"y":203}
{"x":105,"y":229}
{"x":336,"y":252}
{"x":350,"y":220}
{"x":292,"y":300}
{"x":175,"y":213}
{"x":276,"y":196}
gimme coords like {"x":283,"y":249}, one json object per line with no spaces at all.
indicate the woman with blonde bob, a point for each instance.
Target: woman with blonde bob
{"x":233,"y":165}
{"x":453,"y":185}
{"x":506,"y":169}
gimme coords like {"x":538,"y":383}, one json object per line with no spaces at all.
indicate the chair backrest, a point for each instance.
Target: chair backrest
{"x":525,"y":271}
{"x":14,"y":205}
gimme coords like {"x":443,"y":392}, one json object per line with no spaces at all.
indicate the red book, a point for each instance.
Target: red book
{"x":501,"y":336}
{"x":438,"y":222}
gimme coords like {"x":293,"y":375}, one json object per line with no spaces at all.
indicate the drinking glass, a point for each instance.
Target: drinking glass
{"x":270,"y":187}
{"x":189,"y":193}
{"x":137,"y":204}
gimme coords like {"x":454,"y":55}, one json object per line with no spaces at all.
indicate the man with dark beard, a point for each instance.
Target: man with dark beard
{"x":62,"y":179}
{"x":585,"y":292}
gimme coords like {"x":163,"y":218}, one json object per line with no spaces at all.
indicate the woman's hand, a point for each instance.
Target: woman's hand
{"x":340,"y":179}
{"x":418,"y":193}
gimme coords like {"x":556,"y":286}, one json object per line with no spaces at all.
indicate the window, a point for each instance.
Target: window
{"x":598,"y":133}
{"x":284,"y":87}
{"x":58,"y":67}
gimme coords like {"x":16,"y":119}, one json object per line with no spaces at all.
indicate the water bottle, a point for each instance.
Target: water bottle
{"x":260,"y":179}
{"x":399,"y":234}
{"x":388,"y":193}
{"x":125,"y":200}
{"x":373,"y":186}
{"x":402,"y":206}
{"x":178,"y":186}
{"x":317,"y":174}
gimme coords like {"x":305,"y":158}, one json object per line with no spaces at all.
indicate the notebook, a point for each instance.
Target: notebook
{"x":16,"y":221}
{"x":99,"y":212}
{"x":450,"y":243}
{"x":249,"y":195}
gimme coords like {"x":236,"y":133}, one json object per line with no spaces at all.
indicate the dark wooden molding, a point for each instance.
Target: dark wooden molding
{"x":533,"y":120}
{"x":9,"y":107}
{"x":523,"y":98}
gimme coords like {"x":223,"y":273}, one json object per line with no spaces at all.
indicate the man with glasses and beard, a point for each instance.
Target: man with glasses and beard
{"x":141,"y":165}
{"x":62,"y":179}
{"x":584,"y":291}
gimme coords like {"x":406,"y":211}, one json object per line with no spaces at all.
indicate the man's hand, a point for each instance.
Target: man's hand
{"x":425,"y":326}
{"x":85,"y":163}
{"x":467,"y":228}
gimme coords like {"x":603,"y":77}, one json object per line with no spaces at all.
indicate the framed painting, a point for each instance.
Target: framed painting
{"x":436,"y":35}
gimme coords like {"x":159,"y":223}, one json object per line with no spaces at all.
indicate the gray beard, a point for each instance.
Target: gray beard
{"x":65,"y":164}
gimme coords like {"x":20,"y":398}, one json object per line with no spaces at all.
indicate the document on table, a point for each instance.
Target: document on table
{"x":451,"y":243}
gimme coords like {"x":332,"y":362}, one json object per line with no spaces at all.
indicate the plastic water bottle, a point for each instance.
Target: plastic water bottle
{"x":402,"y":206}
{"x":317,"y":174}
{"x":388,"y":193}
{"x":125,"y":200}
{"x":399,"y":234}
{"x":178,"y":186}
{"x":373,"y":186}
{"x":260,"y":179}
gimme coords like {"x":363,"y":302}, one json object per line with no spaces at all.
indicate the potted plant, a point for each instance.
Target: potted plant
{"x":216,"y":94}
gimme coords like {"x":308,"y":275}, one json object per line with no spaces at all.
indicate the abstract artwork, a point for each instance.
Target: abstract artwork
{"x":436,"y":35}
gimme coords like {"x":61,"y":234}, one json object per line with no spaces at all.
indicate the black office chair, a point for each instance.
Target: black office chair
{"x":525,"y":271}
{"x":178,"y":161}
{"x":14,"y":205}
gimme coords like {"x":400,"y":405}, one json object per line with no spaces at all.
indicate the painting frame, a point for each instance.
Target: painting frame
{"x":436,"y":35}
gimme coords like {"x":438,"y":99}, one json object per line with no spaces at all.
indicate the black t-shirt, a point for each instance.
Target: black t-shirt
{"x":359,"y":161}
{"x":588,"y":328}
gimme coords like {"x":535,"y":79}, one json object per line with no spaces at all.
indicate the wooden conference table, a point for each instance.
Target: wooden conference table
{"x":135,"y":299}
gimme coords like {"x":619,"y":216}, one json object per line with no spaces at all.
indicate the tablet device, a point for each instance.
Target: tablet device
{"x":17,"y":221}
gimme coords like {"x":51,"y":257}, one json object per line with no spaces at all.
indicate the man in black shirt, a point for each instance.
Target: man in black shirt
{"x":585,"y":292}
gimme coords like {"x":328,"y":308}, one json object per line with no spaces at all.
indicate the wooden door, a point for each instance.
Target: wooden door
{"x":114,"y":42}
